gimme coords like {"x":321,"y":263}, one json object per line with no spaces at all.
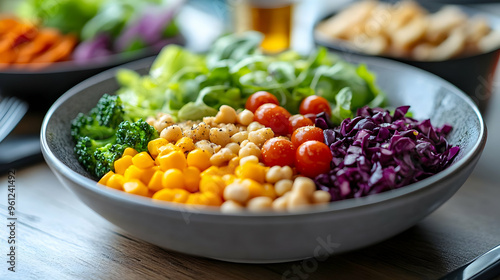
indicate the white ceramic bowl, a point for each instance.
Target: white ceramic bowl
{"x":276,"y":237}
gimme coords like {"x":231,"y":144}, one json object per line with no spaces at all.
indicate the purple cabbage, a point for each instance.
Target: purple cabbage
{"x":376,"y":152}
{"x":96,"y":49}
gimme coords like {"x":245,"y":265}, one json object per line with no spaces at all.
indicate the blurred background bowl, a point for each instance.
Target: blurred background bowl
{"x":277,"y":237}
{"x":40,"y":88}
{"x":472,"y":74}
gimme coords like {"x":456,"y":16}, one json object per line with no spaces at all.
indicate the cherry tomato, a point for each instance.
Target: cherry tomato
{"x":275,"y":117}
{"x":260,"y":98}
{"x":307,"y":133}
{"x":313,"y":158}
{"x":278,"y":151}
{"x":297,"y":121}
{"x":314,"y":105}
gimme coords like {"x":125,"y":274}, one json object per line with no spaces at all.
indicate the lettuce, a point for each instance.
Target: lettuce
{"x":191,"y":86}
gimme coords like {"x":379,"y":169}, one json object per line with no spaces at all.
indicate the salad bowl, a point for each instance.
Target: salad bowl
{"x":277,"y":237}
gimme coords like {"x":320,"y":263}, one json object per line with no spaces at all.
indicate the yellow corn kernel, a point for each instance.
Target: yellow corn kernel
{"x":147,"y":175}
{"x":252,"y":170}
{"x":228,"y":178}
{"x":143,"y":160}
{"x":134,"y":172}
{"x":174,"y":159}
{"x":150,"y":193}
{"x":165,"y":150}
{"x":212,"y":183}
{"x":116,"y":181}
{"x":186,"y":144}
{"x":212,"y":170}
{"x":226,"y":170}
{"x":154,"y":146}
{"x":234,"y":162}
{"x":105,"y":178}
{"x":180,"y":195}
{"x":122,"y":164}
{"x":269,"y":191}
{"x":164,"y":194}
{"x":199,"y":158}
{"x":204,"y":199}
{"x":255,"y":189}
{"x":173,"y":179}
{"x":155,"y":184}
{"x":129,"y":152}
{"x":213,"y":199}
{"x":193,"y":199}
{"x":192,"y":178}
{"x":135,"y":186}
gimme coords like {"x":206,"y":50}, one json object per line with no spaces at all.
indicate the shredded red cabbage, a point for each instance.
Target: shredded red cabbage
{"x":376,"y":152}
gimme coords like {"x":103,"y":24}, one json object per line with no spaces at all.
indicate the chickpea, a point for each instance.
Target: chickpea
{"x":279,"y":204}
{"x":251,"y":158}
{"x":249,"y":150}
{"x":222,"y":156}
{"x":304,"y":186}
{"x":260,"y":204}
{"x":209,"y":121}
{"x":171,"y":133}
{"x":273,"y":175}
{"x":151,"y":121}
{"x":296,"y":201}
{"x":235,"y":148}
{"x":260,"y":136}
{"x":237,"y":192}
{"x":245,"y":117}
{"x":254,"y":126}
{"x":244,"y":143}
{"x":162,"y":122}
{"x":231,"y":128}
{"x":207,"y":146}
{"x":226,"y":114}
{"x":283,"y":186}
{"x":239,"y":137}
{"x":321,"y":197}
{"x":286,"y":172}
{"x":276,"y":173}
{"x":219,"y":136}
{"x":231,"y":206}
{"x":200,"y":132}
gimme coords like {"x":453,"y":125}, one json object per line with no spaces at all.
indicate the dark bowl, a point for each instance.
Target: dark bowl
{"x":276,"y":237}
{"x":472,"y":74}
{"x":40,"y":88}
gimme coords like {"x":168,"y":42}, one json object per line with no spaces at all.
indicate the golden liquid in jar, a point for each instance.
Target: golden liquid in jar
{"x":274,"y":22}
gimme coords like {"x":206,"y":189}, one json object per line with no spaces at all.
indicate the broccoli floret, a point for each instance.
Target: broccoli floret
{"x":109,"y":111}
{"x":102,"y":121}
{"x":105,"y":158}
{"x":85,"y":148}
{"x":136,"y":134}
{"x":103,"y":134}
{"x":98,"y":156}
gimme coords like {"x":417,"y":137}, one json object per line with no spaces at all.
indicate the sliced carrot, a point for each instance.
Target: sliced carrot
{"x":59,"y":51}
{"x":43,"y":41}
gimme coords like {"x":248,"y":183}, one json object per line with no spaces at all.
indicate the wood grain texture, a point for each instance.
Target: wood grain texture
{"x":60,"y":238}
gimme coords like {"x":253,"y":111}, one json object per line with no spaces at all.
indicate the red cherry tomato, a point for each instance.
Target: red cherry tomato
{"x":314,"y":105}
{"x":297,"y":121}
{"x":307,"y":133}
{"x":275,"y":117}
{"x":260,"y":98}
{"x":313,"y":158}
{"x":278,"y":151}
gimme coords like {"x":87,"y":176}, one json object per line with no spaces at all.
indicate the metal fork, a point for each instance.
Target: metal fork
{"x":12,"y":110}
